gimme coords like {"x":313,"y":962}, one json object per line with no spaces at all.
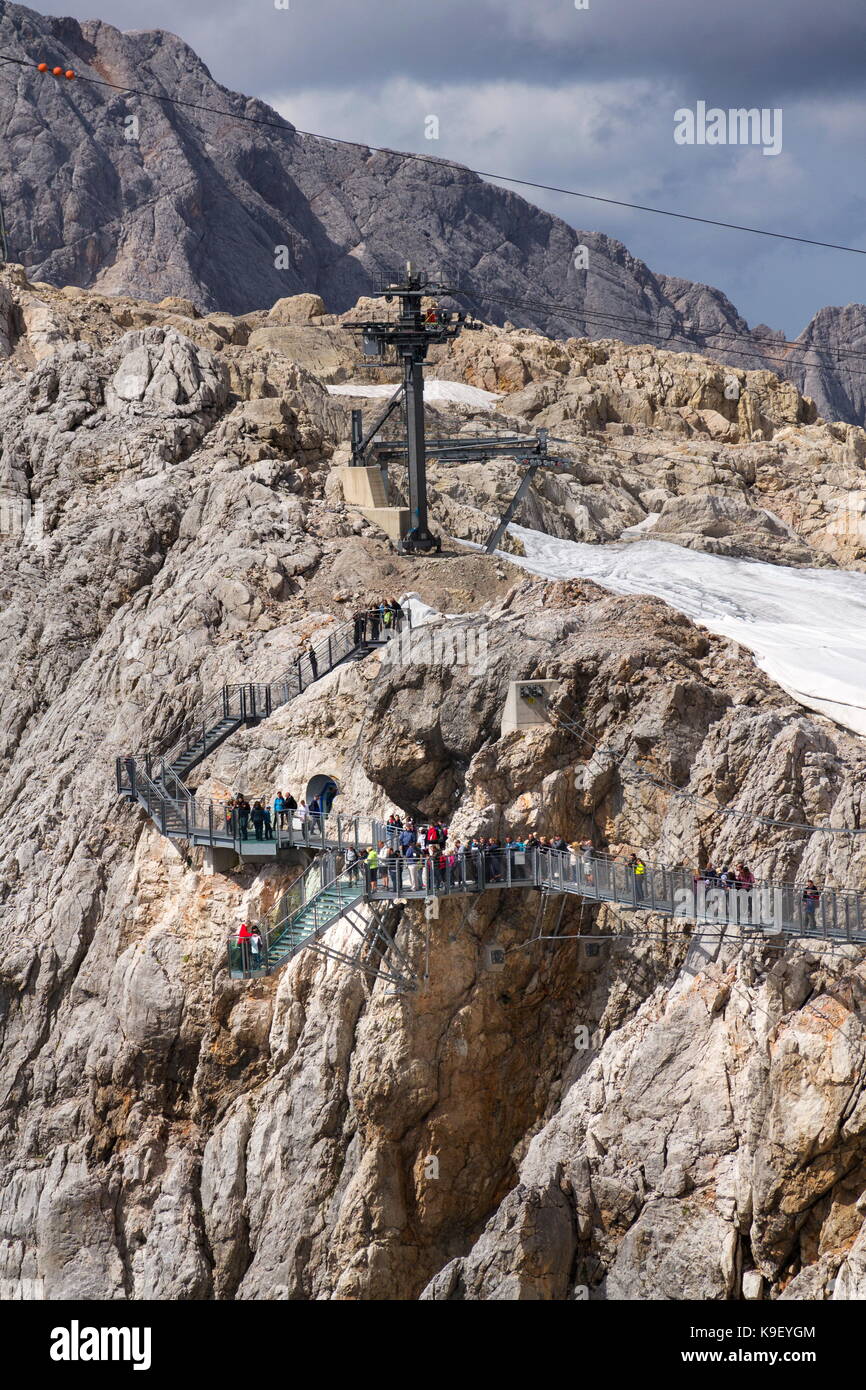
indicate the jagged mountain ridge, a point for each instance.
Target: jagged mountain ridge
{"x":197,"y":204}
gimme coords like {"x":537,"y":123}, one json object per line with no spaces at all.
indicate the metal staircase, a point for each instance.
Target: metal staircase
{"x":316,"y":901}
{"x":158,"y":781}
{"x":336,"y":893}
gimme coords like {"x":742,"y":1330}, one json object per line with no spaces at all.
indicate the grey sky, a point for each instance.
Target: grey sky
{"x":586,"y":99}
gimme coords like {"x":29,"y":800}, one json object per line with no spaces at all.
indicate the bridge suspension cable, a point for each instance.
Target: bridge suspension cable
{"x":636,"y":773}
{"x":285,"y":128}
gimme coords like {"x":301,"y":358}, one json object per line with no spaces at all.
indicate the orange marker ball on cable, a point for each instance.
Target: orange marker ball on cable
{"x":42,"y":67}
{"x":57,"y":72}
{"x":70,"y":74}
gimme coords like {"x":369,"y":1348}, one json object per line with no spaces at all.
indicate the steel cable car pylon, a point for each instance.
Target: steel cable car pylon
{"x":411,"y":335}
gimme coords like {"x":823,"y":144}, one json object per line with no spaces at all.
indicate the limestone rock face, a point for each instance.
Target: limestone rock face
{"x":673,"y":1117}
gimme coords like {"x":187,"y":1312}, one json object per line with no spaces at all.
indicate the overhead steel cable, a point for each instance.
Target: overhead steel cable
{"x":287,"y":128}
{"x":662,"y":339}
{"x":698,"y":330}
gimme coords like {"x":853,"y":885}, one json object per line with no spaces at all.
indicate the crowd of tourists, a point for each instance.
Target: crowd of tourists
{"x":415,"y":855}
{"x":258,"y":819}
{"x":426,"y":858}
{"x":382,"y":620}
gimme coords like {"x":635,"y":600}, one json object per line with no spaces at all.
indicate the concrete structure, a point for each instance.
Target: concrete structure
{"x":523,"y":710}
{"x":364,"y":488}
{"x":220,"y":861}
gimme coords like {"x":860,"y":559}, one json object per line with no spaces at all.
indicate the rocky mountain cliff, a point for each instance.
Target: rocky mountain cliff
{"x":198,"y":205}
{"x":166,"y":1132}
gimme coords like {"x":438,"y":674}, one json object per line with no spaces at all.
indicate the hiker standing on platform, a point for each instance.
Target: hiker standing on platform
{"x":638,"y":869}
{"x":314,"y":665}
{"x":360,"y":621}
{"x":374,"y":624}
{"x":413,"y":859}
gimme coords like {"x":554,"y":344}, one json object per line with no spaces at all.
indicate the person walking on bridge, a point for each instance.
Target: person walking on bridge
{"x":811,"y":898}
{"x":412,"y":858}
{"x":374,"y":624}
{"x":257,"y":816}
{"x":392,"y":859}
{"x":746,"y":881}
{"x":638,"y":869}
{"x":314,"y":664}
{"x":372,"y":862}
{"x":351,"y":863}
{"x":359,"y":619}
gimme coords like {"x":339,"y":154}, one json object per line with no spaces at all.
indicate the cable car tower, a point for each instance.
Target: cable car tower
{"x":411,"y":335}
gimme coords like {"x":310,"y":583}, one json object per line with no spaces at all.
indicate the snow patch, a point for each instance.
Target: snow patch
{"x":804,"y":626}
{"x":451,"y":392}
{"x":647,"y":524}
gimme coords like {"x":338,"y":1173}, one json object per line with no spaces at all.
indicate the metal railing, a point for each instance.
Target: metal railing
{"x":152,"y":778}
{"x":763,"y":906}
{"x":321,"y":894}
{"x":760,"y":905}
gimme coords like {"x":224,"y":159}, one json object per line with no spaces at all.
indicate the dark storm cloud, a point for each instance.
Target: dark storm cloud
{"x":727,"y":52}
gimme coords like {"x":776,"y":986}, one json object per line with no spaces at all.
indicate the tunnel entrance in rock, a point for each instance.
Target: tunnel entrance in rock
{"x":324,"y":789}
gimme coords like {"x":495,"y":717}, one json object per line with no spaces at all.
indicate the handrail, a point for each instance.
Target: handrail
{"x":762,"y":907}
{"x":235,"y":705}
{"x":258,"y":699}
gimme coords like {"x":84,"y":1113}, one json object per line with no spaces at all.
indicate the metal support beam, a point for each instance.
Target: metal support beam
{"x":360,"y":441}
{"x":418,"y":537}
{"x":532,"y":467}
